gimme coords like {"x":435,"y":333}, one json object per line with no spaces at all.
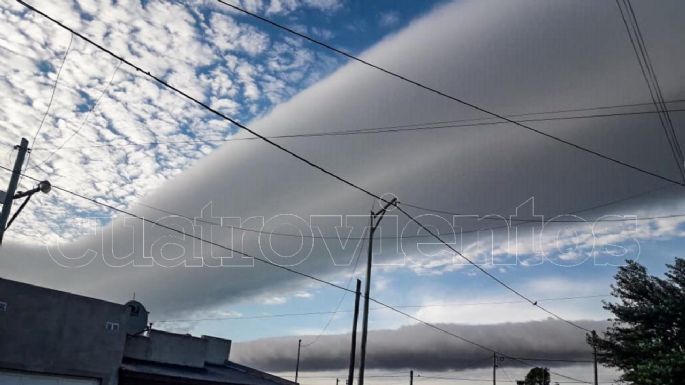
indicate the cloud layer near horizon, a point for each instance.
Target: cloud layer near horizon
{"x":424,"y":349}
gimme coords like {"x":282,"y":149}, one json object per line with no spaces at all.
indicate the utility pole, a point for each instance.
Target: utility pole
{"x":494,"y":368}
{"x":297,"y":366}
{"x":353,"y":348}
{"x":594,"y":352}
{"x":411,"y":377}
{"x":12,"y":187}
{"x":374,"y":220}
{"x":337,"y":380}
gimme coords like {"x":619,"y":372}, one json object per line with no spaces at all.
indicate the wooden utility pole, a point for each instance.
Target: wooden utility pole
{"x":12,"y":187}
{"x":594,"y":351}
{"x":297,"y":366}
{"x":411,"y":377}
{"x":353,"y":348}
{"x":374,"y":220}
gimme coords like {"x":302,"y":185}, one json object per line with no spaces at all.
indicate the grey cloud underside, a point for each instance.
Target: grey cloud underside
{"x":423,"y":349}
{"x":507,"y":56}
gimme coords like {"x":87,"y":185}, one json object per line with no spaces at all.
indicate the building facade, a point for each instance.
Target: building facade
{"x":50,"y":337}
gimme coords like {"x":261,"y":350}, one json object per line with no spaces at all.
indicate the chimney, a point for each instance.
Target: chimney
{"x":218,"y":350}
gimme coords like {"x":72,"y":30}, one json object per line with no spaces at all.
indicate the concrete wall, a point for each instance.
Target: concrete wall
{"x":49,"y":331}
{"x":168,"y":348}
{"x":177,"y":349}
{"x":218,"y":350}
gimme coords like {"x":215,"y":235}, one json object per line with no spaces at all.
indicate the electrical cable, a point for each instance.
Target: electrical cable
{"x":83,"y":122}
{"x":332,"y":174}
{"x":265,"y":261}
{"x":52,"y":96}
{"x":282,"y":315}
{"x":650,"y":80}
{"x":444,"y":94}
{"x":342,"y":298}
{"x":363,"y":131}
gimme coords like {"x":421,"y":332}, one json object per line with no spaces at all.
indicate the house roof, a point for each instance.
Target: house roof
{"x":229,"y":373}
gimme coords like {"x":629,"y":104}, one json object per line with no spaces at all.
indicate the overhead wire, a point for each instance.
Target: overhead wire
{"x":83,"y":122}
{"x":266,"y":261}
{"x":444,"y":94}
{"x":511,"y":222}
{"x":639,"y":47}
{"x":52,"y":96}
{"x":334,"y":175}
{"x":370,"y":131}
{"x":487,"y":273}
{"x":400,"y":306}
{"x":342,"y":298}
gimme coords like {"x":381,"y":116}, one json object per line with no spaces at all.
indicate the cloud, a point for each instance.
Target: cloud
{"x":423,"y":349}
{"x":389,"y":19}
{"x":508,"y":57}
{"x":303,"y":294}
{"x":288,"y":6}
{"x":209,"y":53}
{"x":276,"y":300}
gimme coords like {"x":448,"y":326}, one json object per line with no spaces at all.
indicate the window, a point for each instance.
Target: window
{"x":112,"y":326}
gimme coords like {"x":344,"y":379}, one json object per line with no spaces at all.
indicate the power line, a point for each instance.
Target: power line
{"x":518,"y":221}
{"x":376,"y":130}
{"x":330,"y":173}
{"x":502,"y":283}
{"x":649,"y":75}
{"x":265,"y":261}
{"x":246,"y":317}
{"x":52,"y":96}
{"x":445,"y":95}
{"x":504,"y":302}
{"x":342,"y":298}
{"x":657,"y":87}
{"x":591,"y":208}
{"x":83,"y":122}
{"x":556,"y":360}
{"x":336,"y":311}
{"x":490,"y":379}
{"x":462,"y":338}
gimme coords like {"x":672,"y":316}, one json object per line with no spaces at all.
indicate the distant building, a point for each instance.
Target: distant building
{"x":50,"y":337}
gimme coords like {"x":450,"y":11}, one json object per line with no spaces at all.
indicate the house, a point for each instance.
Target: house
{"x":50,"y":337}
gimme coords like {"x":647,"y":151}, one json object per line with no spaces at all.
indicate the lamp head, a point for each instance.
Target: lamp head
{"x":45,"y":186}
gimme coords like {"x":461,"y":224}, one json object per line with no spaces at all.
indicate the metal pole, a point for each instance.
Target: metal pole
{"x":297,"y":366}
{"x":594,"y":351}
{"x":12,"y":187}
{"x":494,"y":368}
{"x":411,"y":377}
{"x":353,"y":348}
{"x":374,"y":220}
{"x":367,"y":288}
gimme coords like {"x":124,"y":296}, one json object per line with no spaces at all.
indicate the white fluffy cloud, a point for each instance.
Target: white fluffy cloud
{"x":200,"y":48}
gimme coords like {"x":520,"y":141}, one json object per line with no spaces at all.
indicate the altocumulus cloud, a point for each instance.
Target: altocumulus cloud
{"x":199,"y":47}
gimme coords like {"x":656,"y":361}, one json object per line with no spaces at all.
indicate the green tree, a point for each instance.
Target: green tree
{"x":646,"y":340}
{"x":537,"y":376}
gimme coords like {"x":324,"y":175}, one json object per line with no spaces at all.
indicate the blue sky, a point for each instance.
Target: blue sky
{"x":511,"y":58}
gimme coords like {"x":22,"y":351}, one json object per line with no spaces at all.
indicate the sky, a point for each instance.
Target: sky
{"x":112,"y":134}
